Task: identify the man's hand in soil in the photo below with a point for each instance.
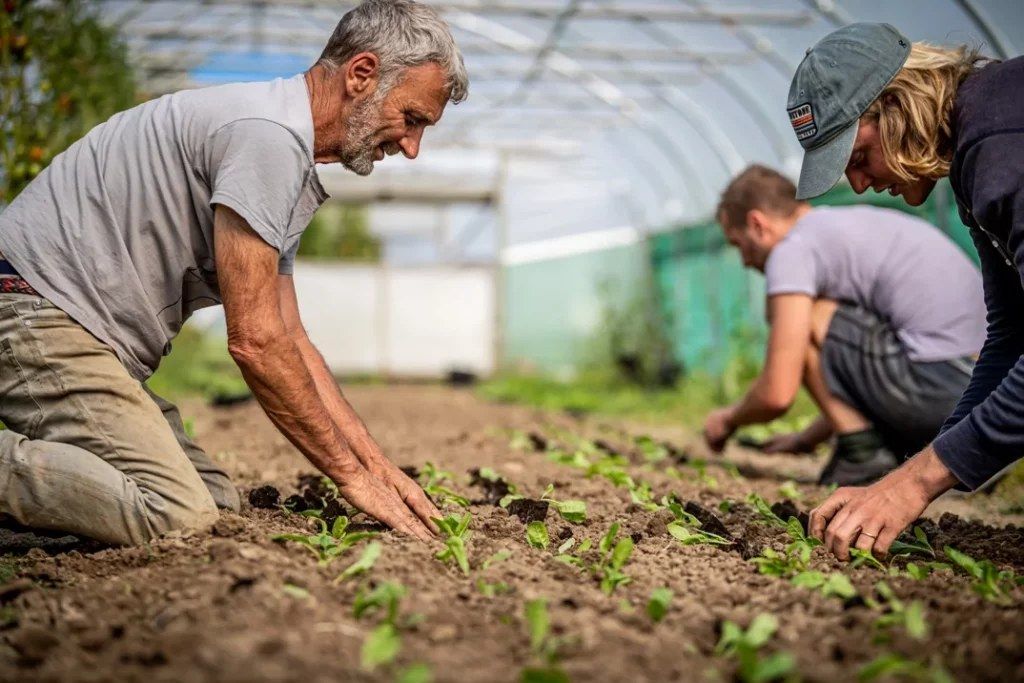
(871, 517)
(718, 428)
(407, 489)
(786, 443)
(380, 500)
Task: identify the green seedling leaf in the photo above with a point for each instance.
(538, 623)
(726, 506)
(652, 451)
(895, 666)
(537, 535)
(295, 591)
(549, 674)
(861, 557)
(789, 490)
(658, 604)
(608, 540)
(761, 629)
(838, 585)
(988, 580)
(688, 536)
(417, 673)
(381, 646)
(765, 510)
(497, 557)
(743, 645)
(611, 570)
(364, 564)
(574, 511)
(917, 544)
(489, 590)
(489, 474)
(385, 596)
(454, 528)
(809, 579)
(507, 499)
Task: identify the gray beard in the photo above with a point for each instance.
(358, 151)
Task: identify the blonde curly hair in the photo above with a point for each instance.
(914, 111)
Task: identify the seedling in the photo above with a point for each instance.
(417, 673)
(897, 613)
(612, 468)
(456, 532)
(743, 645)
(380, 647)
(658, 604)
(537, 535)
(566, 555)
(802, 545)
(385, 596)
(432, 479)
(652, 451)
(835, 584)
(861, 557)
(294, 591)
(364, 564)
(327, 545)
(489, 590)
(497, 557)
(921, 571)
(916, 545)
(615, 554)
(687, 529)
(641, 494)
(765, 510)
(577, 459)
(574, 511)
(989, 581)
(700, 468)
(893, 666)
(788, 490)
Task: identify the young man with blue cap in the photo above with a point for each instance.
(895, 116)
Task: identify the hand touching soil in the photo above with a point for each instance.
(384, 502)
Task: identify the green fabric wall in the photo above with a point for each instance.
(714, 307)
(552, 308)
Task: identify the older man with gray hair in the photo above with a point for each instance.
(191, 200)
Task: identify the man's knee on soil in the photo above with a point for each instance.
(188, 507)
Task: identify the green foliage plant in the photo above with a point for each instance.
(988, 581)
(896, 613)
(614, 556)
(543, 645)
(744, 646)
(574, 511)
(659, 602)
(455, 530)
(364, 564)
(328, 543)
(62, 71)
(537, 535)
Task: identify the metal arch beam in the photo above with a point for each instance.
(545, 10)
(602, 90)
(830, 11)
(993, 33)
(737, 92)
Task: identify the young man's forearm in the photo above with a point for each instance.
(276, 372)
(754, 408)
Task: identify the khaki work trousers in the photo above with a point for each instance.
(88, 449)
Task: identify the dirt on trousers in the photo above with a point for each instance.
(231, 604)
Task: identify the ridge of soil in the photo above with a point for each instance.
(230, 603)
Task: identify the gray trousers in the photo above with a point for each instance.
(88, 449)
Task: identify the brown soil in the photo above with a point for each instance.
(231, 604)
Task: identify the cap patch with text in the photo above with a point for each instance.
(802, 118)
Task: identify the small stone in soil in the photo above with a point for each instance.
(528, 510)
(265, 497)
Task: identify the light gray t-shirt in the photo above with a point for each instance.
(118, 230)
(897, 266)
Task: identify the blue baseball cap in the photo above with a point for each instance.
(834, 85)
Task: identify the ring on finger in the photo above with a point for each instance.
(864, 533)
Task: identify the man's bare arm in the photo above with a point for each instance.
(347, 420)
(773, 391)
(274, 369)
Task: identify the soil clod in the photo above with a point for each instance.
(709, 521)
(265, 497)
(529, 510)
(494, 489)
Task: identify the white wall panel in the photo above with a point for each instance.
(419, 322)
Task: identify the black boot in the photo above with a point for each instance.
(859, 458)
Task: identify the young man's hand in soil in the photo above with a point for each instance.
(718, 428)
(293, 385)
(871, 517)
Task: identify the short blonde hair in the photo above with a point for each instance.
(914, 111)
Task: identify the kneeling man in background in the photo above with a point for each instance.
(877, 313)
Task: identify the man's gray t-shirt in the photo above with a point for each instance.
(895, 265)
(118, 230)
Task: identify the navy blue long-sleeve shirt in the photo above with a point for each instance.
(985, 433)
